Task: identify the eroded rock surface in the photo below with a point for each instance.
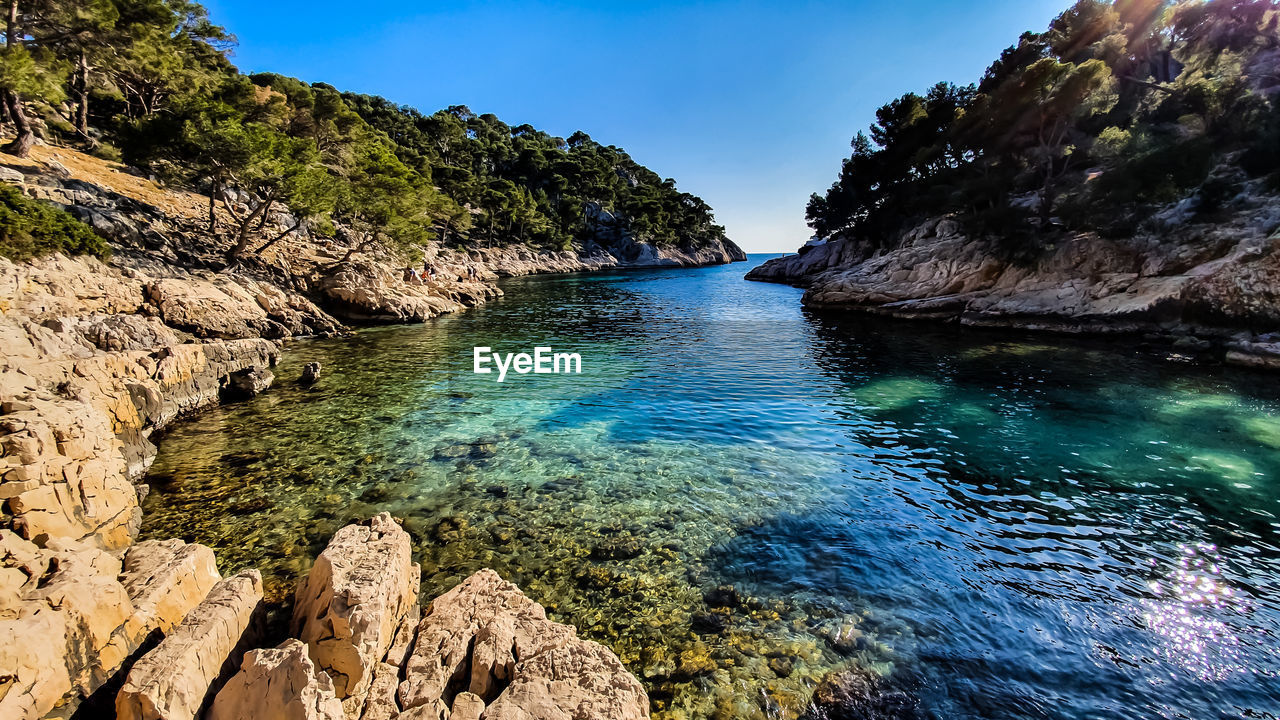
(484, 637)
(277, 684)
(1215, 282)
(358, 593)
(70, 614)
(177, 679)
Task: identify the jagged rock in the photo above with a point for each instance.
(358, 592)
(57, 168)
(486, 638)
(177, 679)
(310, 373)
(10, 175)
(467, 706)
(279, 684)
(165, 579)
(247, 383)
(62, 624)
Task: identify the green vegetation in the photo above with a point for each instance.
(30, 228)
(149, 82)
(1117, 109)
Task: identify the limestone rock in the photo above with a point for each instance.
(279, 684)
(486, 638)
(1203, 279)
(358, 592)
(165, 579)
(177, 679)
(244, 384)
(62, 618)
(310, 373)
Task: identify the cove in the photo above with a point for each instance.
(738, 496)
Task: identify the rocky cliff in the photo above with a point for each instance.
(1206, 289)
(97, 356)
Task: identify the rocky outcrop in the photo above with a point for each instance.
(165, 579)
(70, 614)
(367, 290)
(177, 679)
(358, 592)
(485, 642)
(1214, 283)
(280, 684)
(516, 261)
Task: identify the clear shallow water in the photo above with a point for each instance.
(1006, 528)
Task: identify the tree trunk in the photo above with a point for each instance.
(359, 247)
(262, 221)
(82, 95)
(214, 190)
(26, 137)
(21, 145)
(242, 236)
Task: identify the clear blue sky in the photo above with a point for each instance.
(749, 105)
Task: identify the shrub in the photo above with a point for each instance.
(30, 228)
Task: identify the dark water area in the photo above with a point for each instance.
(739, 496)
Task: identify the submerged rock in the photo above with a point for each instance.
(858, 694)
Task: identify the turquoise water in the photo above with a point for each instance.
(739, 496)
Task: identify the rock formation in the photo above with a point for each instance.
(177, 680)
(70, 613)
(279, 684)
(485, 642)
(358, 592)
(1204, 285)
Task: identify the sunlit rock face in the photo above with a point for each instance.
(511, 661)
(358, 593)
(1206, 289)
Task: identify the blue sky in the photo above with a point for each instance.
(749, 105)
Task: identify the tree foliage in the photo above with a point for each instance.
(1116, 108)
(153, 77)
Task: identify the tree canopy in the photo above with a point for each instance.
(150, 82)
(1115, 109)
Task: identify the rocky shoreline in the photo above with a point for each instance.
(1202, 291)
(99, 356)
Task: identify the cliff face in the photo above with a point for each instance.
(1208, 288)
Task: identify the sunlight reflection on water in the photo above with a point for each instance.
(1190, 598)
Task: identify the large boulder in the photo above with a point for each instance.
(358, 593)
(484, 637)
(177, 679)
(71, 614)
(278, 684)
(165, 579)
(247, 383)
